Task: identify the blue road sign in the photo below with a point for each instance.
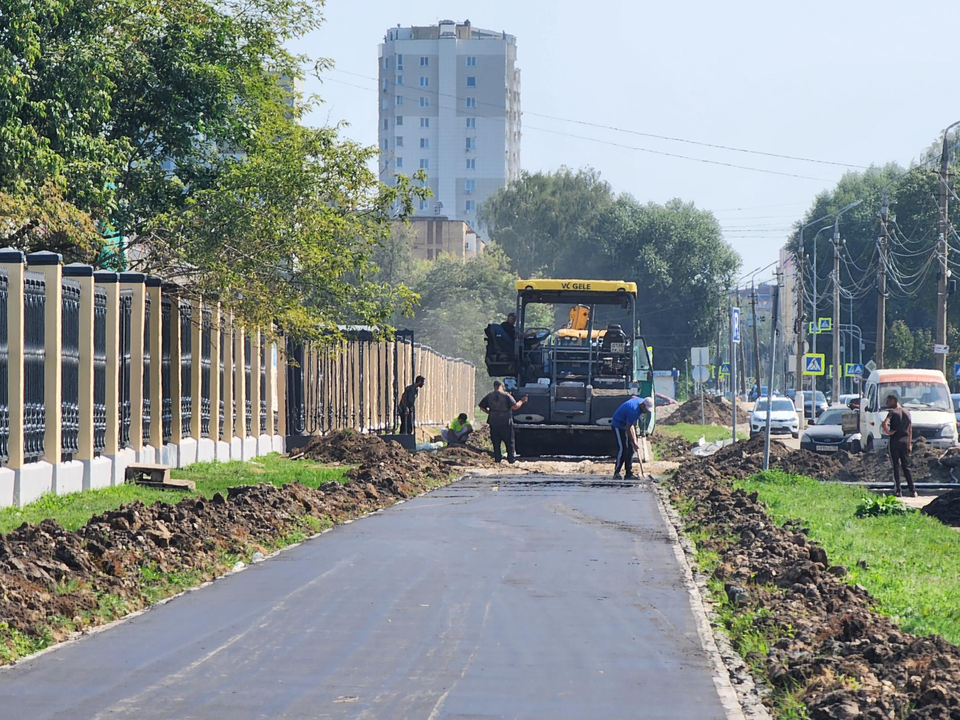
(854, 370)
(724, 369)
(814, 364)
(825, 324)
(735, 324)
(956, 370)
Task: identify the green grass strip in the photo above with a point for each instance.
(691, 433)
(912, 562)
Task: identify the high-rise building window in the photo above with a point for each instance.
(385, 121)
(424, 101)
(399, 162)
(471, 122)
(471, 61)
(399, 99)
(471, 102)
(399, 120)
(424, 204)
(384, 63)
(385, 84)
(471, 81)
(424, 61)
(471, 163)
(399, 62)
(424, 81)
(471, 143)
(424, 142)
(470, 205)
(424, 122)
(383, 144)
(399, 79)
(424, 164)
(399, 141)
(469, 185)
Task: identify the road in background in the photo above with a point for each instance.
(552, 597)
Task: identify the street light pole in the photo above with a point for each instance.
(944, 275)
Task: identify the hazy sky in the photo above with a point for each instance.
(848, 81)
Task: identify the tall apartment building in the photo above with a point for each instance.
(450, 105)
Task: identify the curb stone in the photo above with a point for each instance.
(742, 699)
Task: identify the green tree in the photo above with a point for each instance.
(899, 350)
(175, 126)
(545, 222)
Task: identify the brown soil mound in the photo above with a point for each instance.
(945, 508)
(53, 580)
(716, 411)
(670, 447)
(842, 659)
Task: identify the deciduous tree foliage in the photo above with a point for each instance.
(568, 224)
(174, 124)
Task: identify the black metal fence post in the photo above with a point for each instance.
(206, 327)
(186, 367)
(167, 327)
(34, 360)
(70, 369)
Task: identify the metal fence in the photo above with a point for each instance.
(69, 369)
(34, 357)
(87, 369)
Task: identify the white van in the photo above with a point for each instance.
(924, 393)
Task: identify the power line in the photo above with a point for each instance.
(614, 128)
(675, 155)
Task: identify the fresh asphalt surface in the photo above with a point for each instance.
(549, 597)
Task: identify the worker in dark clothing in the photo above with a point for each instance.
(407, 403)
(899, 426)
(510, 326)
(499, 406)
(624, 424)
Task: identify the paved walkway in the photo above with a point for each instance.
(549, 597)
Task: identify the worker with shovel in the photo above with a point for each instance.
(624, 424)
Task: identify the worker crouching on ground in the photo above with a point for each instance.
(624, 424)
(408, 402)
(458, 431)
(499, 406)
(899, 426)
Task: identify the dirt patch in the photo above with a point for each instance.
(670, 447)
(716, 411)
(826, 644)
(54, 581)
(945, 508)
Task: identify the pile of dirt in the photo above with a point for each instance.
(54, 581)
(945, 508)
(670, 447)
(925, 462)
(716, 411)
(826, 644)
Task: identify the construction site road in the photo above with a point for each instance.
(552, 597)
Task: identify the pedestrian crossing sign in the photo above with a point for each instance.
(956, 371)
(812, 328)
(853, 370)
(724, 369)
(814, 364)
(825, 324)
(830, 372)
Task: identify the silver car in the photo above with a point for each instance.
(783, 416)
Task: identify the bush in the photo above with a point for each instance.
(879, 505)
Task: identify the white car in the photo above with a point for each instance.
(783, 417)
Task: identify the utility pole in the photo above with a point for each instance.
(719, 344)
(800, 325)
(835, 386)
(882, 283)
(742, 359)
(756, 342)
(943, 277)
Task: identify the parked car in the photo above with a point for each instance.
(754, 394)
(814, 404)
(783, 416)
(846, 398)
(923, 392)
(955, 399)
(662, 400)
(827, 435)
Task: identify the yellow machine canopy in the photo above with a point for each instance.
(578, 285)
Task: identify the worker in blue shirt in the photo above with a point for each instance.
(624, 424)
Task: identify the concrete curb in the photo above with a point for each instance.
(739, 695)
